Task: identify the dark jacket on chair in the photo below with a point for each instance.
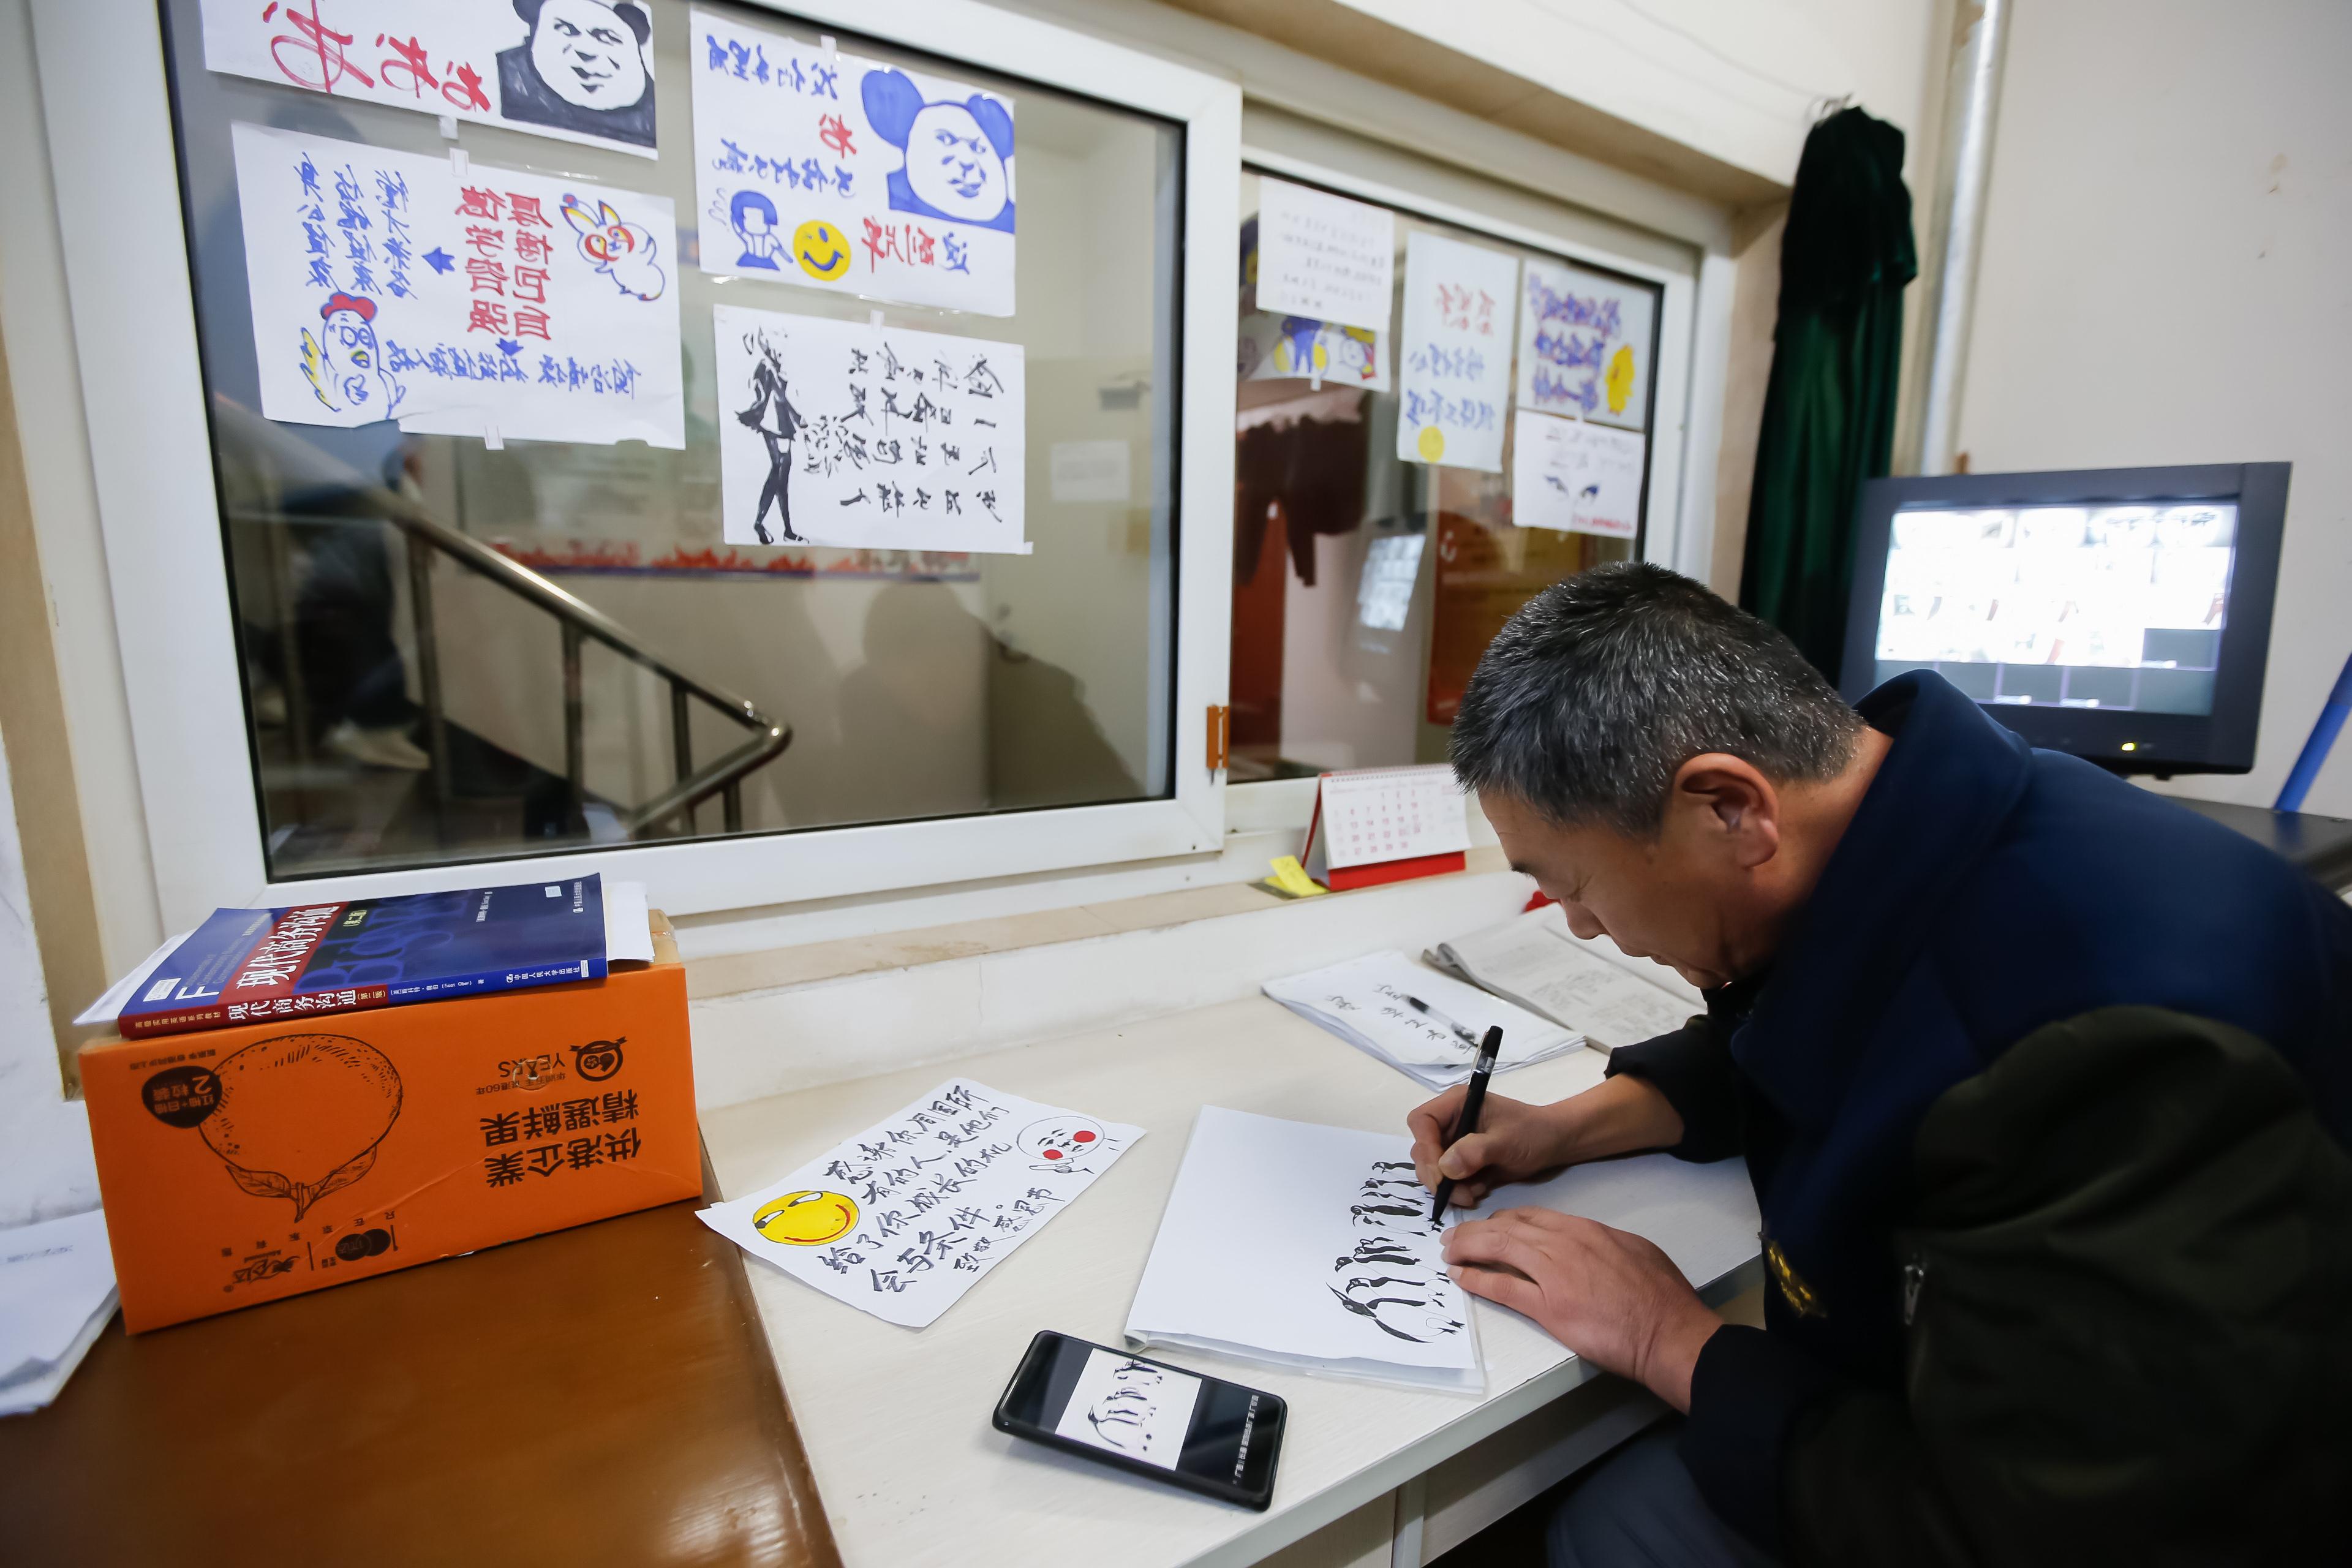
(2046, 1099)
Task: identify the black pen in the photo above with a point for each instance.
(1471, 1103)
(1418, 1005)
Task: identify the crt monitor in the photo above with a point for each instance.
(2121, 614)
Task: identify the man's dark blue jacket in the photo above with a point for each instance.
(2046, 1099)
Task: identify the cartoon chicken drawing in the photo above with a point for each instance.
(302, 1116)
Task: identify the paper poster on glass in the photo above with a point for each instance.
(834, 171)
(1576, 476)
(1455, 361)
(1324, 257)
(386, 286)
(876, 437)
(1272, 346)
(579, 70)
(1584, 345)
(1287, 348)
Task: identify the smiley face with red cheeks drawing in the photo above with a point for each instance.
(1061, 1143)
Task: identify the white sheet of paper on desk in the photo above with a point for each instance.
(1365, 1002)
(57, 1293)
(1304, 1246)
(1701, 1215)
(902, 1219)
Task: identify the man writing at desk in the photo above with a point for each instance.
(2044, 1085)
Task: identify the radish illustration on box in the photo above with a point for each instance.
(302, 1116)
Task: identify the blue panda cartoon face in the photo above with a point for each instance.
(959, 156)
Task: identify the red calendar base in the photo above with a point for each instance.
(1382, 871)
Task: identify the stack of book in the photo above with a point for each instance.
(249, 966)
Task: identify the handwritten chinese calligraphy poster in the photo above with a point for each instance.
(1576, 476)
(1456, 363)
(837, 173)
(1324, 257)
(579, 70)
(874, 438)
(384, 285)
(902, 1219)
(1584, 345)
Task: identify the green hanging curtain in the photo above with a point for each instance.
(1829, 413)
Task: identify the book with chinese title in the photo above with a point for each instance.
(246, 966)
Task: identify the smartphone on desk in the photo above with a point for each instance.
(1156, 1420)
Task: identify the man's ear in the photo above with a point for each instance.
(1725, 799)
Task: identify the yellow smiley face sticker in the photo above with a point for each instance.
(821, 250)
(1430, 444)
(805, 1219)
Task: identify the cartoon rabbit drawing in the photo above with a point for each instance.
(622, 250)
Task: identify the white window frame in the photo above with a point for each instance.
(110, 140)
(1681, 420)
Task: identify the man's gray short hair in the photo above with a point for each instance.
(1604, 685)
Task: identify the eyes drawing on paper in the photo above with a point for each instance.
(1393, 1272)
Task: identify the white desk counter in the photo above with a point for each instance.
(896, 1422)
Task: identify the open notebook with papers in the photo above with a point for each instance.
(1306, 1247)
(1425, 1023)
(1589, 986)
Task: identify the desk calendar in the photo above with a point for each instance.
(1383, 825)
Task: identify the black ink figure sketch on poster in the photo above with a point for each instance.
(583, 68)
(772, 413)
(1393, 1273)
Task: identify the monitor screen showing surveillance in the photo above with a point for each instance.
(2064, 607)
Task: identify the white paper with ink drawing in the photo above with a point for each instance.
(578, 70)
(1367, 1002)
(1306, 1246)
(841, 433)
(839, 172)
(903, 1218)
(385, 286)
(1575, 476)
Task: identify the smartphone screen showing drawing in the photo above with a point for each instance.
(1132, 1408)
(1199, 1433)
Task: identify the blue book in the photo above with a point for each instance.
(252, 967)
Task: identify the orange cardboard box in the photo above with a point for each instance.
(246, 1164)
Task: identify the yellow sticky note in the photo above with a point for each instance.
(1292, 879)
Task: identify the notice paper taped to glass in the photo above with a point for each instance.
(1306, 1247)
(825, 170)
(903, 1218)
(868, 438)
(387, 285)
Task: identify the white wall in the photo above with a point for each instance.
(1739, 80)
(2167, 278)
(45, 1160)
